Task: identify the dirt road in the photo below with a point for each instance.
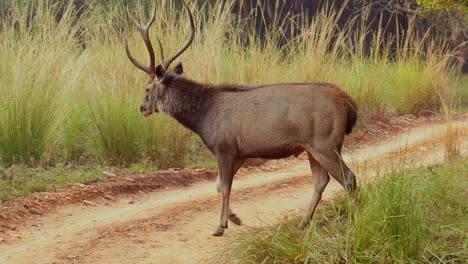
(175, 225)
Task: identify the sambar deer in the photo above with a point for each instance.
(238, 122)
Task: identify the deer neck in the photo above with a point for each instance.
(187, 102)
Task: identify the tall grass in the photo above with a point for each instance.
(416, 216)
(40, 65)
(69, 93)
(391, 224)
(67, 102)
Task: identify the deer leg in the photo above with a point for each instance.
(232, 216)
(226, 169)
(332, 162)
(321, 181)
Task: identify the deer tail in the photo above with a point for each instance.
(351, 109)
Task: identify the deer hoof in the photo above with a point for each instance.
(218, 232)
(236, 220)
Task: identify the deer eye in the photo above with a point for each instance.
(147, 90)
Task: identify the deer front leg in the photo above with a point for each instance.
(232, 216)
(226, 173)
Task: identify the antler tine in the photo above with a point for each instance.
(135, 62)
(187, 44)
(161, 52)
(144, 32)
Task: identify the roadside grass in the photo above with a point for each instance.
(34, 78)
(404, 216)
(19, 181)
(76, 102)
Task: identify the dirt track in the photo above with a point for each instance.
(175, 225)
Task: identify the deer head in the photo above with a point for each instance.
(159, 77)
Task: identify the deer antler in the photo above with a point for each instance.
(166, 64)
(161, 53)
(149, 69)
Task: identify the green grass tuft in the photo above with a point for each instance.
(417, 216)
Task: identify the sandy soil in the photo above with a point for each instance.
(174, 223)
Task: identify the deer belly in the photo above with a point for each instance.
(271, 152)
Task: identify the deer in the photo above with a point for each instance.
(237, 122)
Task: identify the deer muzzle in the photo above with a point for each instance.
(144, 110)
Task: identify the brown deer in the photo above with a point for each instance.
(238, 122)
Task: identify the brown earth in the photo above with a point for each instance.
(169, 216)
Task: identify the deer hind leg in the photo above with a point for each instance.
(331, 160)
(232, 216)
(321, 181)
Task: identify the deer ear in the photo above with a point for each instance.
(160, 72)
(178, 68)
